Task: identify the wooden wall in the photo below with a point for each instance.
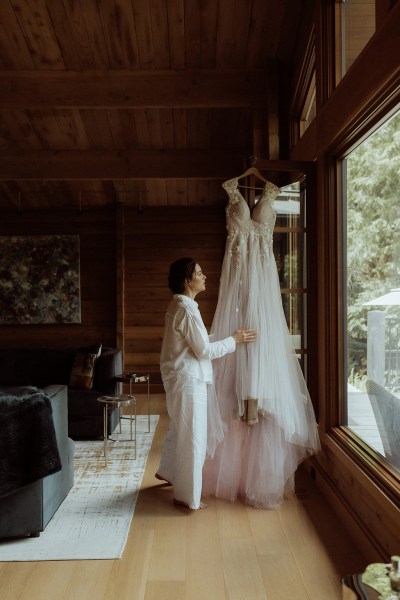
(96, 230)
(129, 293)
(153, 239)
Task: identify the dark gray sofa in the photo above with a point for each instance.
(27, 510)
(47, 366)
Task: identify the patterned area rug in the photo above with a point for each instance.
(94, 519)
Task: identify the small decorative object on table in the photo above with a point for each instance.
(379, 581)
(394, 575)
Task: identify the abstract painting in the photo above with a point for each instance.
(39, 279)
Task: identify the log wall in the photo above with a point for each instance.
(135, 281)
(96, 230)
(153, 239)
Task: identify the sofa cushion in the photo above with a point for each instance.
(84, 404)
(29, 449)
(82, 371)
(40, 367)
(86, 418)
(108, 365)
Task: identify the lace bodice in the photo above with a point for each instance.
(242, 223)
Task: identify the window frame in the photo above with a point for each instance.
(371, 462)
(307, 168)
(341, 69)
(307, 75)
(309, 100)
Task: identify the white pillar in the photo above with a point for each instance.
(376, 346)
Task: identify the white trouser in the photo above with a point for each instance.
(185, 442)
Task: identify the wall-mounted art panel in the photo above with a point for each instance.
(39, 279)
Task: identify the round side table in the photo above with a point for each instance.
(120, 401)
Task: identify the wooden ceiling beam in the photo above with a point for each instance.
(44, 165)
(133, 89)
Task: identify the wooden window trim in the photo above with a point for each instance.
(376, 111)
(326, 56)
(302, 91)
(369, 461)
(338, 42)
(308, 102)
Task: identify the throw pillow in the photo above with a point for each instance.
(82, 372)
(96, 350)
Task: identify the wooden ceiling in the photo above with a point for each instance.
(151, 102)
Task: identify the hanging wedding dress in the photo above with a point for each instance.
(259, 389)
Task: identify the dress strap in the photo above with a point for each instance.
(230, 186)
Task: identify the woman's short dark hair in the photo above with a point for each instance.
(180, 269)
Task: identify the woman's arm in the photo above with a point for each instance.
(196, 336)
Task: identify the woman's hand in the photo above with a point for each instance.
(244, 336)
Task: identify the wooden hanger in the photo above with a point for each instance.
(256, 173)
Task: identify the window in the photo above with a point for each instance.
(355, 25)
(304, 105)
(371, 184)
(290, 255)
(309, 108)
(295, 264)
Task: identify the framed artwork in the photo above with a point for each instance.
(39, 279)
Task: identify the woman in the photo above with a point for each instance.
(185, 362)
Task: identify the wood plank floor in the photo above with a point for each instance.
(226, 552)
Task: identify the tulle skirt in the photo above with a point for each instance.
(256, 462)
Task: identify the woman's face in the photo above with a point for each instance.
(198, 281)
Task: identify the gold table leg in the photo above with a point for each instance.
(105, 433)
(148, 403)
